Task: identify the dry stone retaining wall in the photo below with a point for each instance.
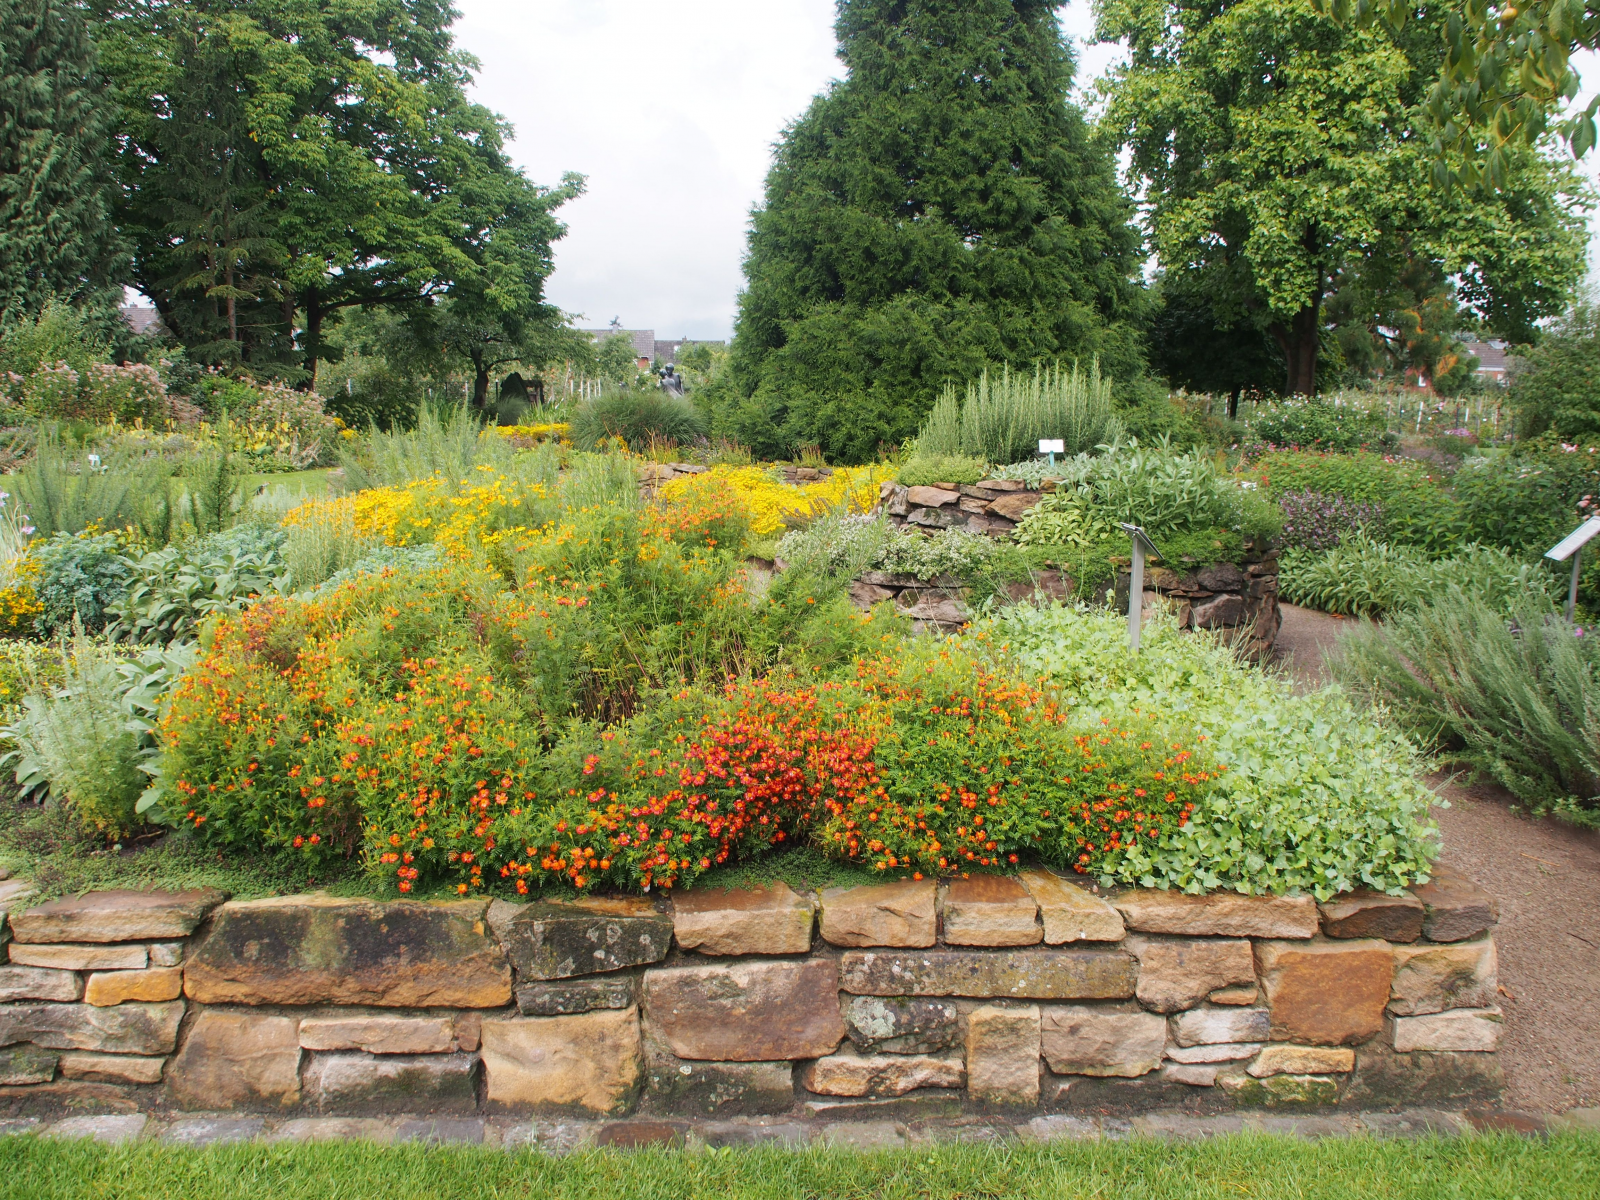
(1025, 993)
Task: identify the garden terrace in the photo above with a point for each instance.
(1028, 994)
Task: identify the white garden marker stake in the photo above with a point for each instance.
(1052, 447)
(1142, 545)
(1571, 547)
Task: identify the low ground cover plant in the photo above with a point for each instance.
(1362, 576)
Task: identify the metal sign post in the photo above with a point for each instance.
(1142, 545)
(1052, 447)
(1571, 547)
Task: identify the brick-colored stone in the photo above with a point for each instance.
(117, 916)
(748, 1011)
(1430, 979)
(1214, 1052)
(1018, 974)
(1221, 914)
(1455, 909)
(1367, 914)
(24, 1065)
(1282, 1058)
(125, 1029)
(990, 910)
(1078, 1040)
(586, 937)
(931, 497)
(237, 1059)
(106, 988)
(901, 1024)
(412, 1083)
(768, 920)
(377, 1034)
(889, 914)
(1070, 913)
(1325, 993)
(1003, 1055)
(1218, 1026)
(38, 983)
(1244, 993)
(1013, 505)
(849, 1073)
(1475, 1029)
(324, 950)
(469, 1030)
(1175, 975)
(111, 1068)
(81, 958)
(591, 1061)
(563, 997)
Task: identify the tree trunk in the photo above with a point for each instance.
(314, 316)
(1299, 340)
(480, 385)
(1233, 403)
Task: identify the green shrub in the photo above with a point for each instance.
(934, 468)
(1515, 695)
(1529, 500)
(1165, 492)
(638, 416)
(1066, 518)
(1414, 506)
(69, 493)
(1319, 425)
(1364, 577)
(169, 592)
(80, 577)
(1557, 388)
(1003, 419)
(448, 444)
(1314, 796)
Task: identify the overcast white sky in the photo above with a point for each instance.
(670, 107)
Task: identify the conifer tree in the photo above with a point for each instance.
(942, 208)
(55, 235)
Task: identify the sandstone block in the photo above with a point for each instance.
(1095, 1041)
(990, 910)
(932, 497)
(1281, 1091)
(323, 950)
(1459, 1029)
(591, 1061)
(1455, 909)
(1367, 914)
(1220, 577)
(1220, 612)
(1002, 485)
(585, 937)
(119, 916)
(1446, 1079)
(1214, 1053)
(1003, 1055)
(770, 920)
(865, 595)
(890, 914)
(23, 1065)
(1221, 914)
(80, 958)
(564, 997)
(412, 1083)
(1244, 993)
(125, 1029)
(237, 1059)
(1018, 974)
(901, 1024)
(1193, 1075)
(166, 954)
(715, 1089)
(848, 1073)
(1179, 974)
(379, 1034)
(106, 988)
(107, 1130)
(111, 1068)
(1012, 505)
(38, 983)
(1326, 993)
(469, 1030)
(1281, 1058)
(1430, 979)
(746, 1012)
(1203, 1026)
(1071, 913)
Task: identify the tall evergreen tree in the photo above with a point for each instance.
(55, 235)
(942, 208)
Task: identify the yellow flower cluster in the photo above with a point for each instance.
(554, 431)
(770, 499)
(18, 602)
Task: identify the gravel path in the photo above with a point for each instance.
(1546, 878)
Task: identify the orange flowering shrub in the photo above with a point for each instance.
(714, 513)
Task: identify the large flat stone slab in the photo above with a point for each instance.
(1470, 1029)
(1003, 1055)
(237, 1059)
(563, 997)
(125, 1029)
(379, 1034)
(1221, 1026)
(1455, 909)
(1070, 913)
(849, 1073)
(1325, 993)
(38, 983)
(1221, 914)
(746, 1012)
(106, 988)
(1018, 974)
(1078, 1040)
(111, 1068)
(1368, 914)
(411, 1083)
(118, 916)
(1175, 975)
(889, 914)
(590, 1061)
(1430, 979)
(585, 937)
(902, 1024)
(25, 1065)
(76, 957)
(679, 1085)
(323, 950)
(769, 920)
(990, 910)
(1281, 1058)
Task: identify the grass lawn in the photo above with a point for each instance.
(1499, 1167)
(304, 483)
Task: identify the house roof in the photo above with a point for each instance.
(141, 320)
(1491, 357)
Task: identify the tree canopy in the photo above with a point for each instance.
(1281, 163)
(941, 208)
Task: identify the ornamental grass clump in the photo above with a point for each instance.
(1002, 418)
